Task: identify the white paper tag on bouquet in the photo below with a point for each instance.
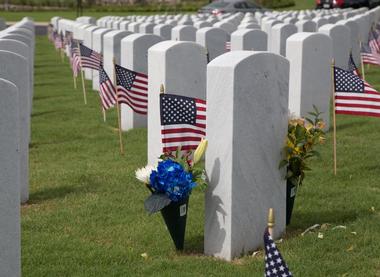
(182, 210)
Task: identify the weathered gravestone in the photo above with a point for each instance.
(10, 242)
(187, 78)
(112, 50)
(87, 41)
(242, 162)
(98, 46)
(249, 39)
(214, 40)
(184, 33)
(310, 56)
(279, 35)
(14, 68)
(134, 56)
(163, 30)
(341, 38)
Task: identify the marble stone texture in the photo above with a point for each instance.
(306, 26)
(87, 41)
(355, 39)
(183, 33)
(134, 56)
(310, 56)
(214, 40)
(341, 38)
(249, 39)
(10, 242)
(163, 30)
(279, 35)
(15, 69)
(111, 51)
(98, 46)
(187, 78)
(242, 162)
(146, 28)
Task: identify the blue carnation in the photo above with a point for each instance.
(171, 178)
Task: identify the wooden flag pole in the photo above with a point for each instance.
(118, 109)
(270, 222)
(361, 62)
(82, 75)
(334, 113)
(75, 81)
(62, 55)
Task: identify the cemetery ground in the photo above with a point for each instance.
(85, 216)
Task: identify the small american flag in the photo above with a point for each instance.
(74, 57)
(372, 42)
(107, 90)
(89, 58)
(132, 89)
(352, 66)
(369, 57)
(58, 41)
(275, 265)
(354, 96)
(183, 122)
(228, 46)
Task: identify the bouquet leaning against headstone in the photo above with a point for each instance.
(170, 184)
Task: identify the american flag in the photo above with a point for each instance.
(372, 42)
(275, 266)
(58, 41)
(183, 122)
(369, 57)
(132, 89)
(74, 57)
(107, 90)
(352, 66)
(228, 46)
(89, 58)
(354, 96)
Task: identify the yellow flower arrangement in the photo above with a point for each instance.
(303, 135)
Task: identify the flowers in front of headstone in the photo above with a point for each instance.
(303, 135)
(174, 178)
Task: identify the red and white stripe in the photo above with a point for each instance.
(366, 104)
(137, 96)
(185, 135)
(107, 94)
(228, 46)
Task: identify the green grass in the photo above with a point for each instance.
(85, 216)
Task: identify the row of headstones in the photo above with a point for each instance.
(16, 88)
(246, 91)
(130, 49)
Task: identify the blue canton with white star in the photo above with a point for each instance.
(125, 77)
(346, 81)
(275, 265)
(177, 109)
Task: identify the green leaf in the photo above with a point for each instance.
(283, 163)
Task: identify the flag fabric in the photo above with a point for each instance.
(89, 58)
(369, 57)
(372, 42)
(354, 96)
(352, 66)
(275, 266)
(107, 91)
(183, 122)
(228, 46)
(132, 89)
(75, 58)
(58, 41)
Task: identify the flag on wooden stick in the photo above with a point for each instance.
(354, 96)
(107, 91)
(368, 56)
(183, 122)
(132, 89)
(90, 58)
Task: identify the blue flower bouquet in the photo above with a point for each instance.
(170, 185)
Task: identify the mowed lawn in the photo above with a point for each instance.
(86, 217)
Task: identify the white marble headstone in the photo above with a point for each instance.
(214, 40)
(249, 39)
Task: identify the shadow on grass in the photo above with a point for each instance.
(43, 113)
(302, 220)
(194, 245)
(59, 192)
(344, 126)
